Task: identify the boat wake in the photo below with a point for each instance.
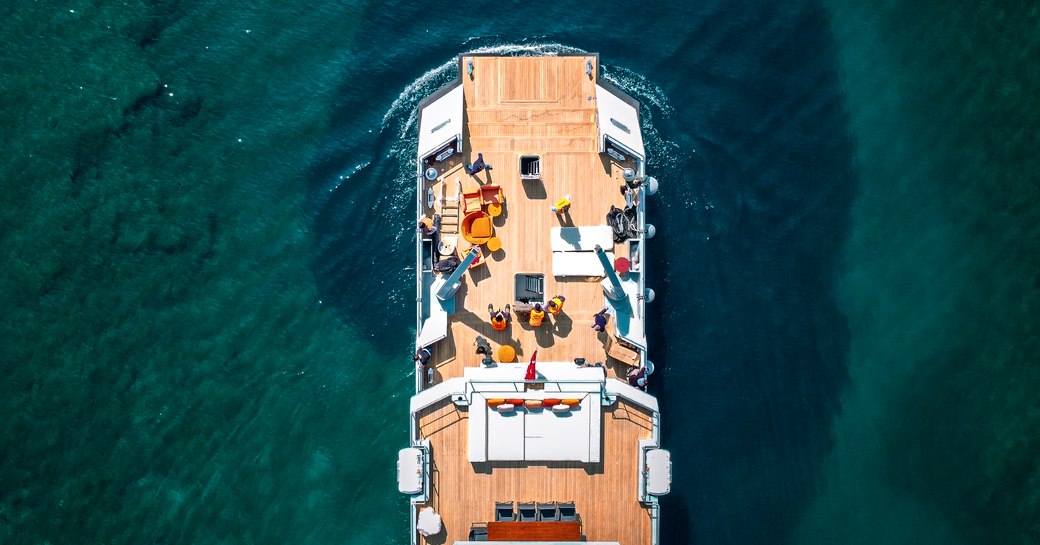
(402, 116)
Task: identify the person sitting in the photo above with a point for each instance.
(499, 318)
(637, 378)
(483, 346)
(422, 361)
(477, 165)
(556, 304)
(427, 228)
(600, 320)
(537, 315)
(422, 357)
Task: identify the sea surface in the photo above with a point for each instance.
(207, 262)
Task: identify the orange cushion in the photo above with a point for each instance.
(495, 402)
(572, 402)
(549, 402)
(533, 403)
(481, 227)
(515, 401)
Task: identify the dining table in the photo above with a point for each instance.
(534, 531)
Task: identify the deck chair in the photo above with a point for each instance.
(527, 512)
(619, 350)
(548, 512)
(567, 512)
(504, 512)
(471, 202)
(492, 194)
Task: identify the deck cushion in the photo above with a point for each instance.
(481, 227)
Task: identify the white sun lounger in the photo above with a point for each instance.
(578, 263)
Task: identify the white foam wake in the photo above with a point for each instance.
(404, 109)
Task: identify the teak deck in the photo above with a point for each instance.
(604, 493)
(542, 106)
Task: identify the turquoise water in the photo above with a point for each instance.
(207, 260)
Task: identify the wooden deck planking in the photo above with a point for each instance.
(558, 124)
(525, 129)
(502, 82)
(516, 114)
(562, 130)
(604, 494)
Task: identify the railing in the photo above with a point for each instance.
(420, 377)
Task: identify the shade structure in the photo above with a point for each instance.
(429, 522)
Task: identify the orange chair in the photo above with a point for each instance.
(472, 202)
(477, 228)
(492, 194)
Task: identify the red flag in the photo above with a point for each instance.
(531, 375)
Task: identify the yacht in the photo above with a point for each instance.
(532, 418)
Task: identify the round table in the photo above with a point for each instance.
(494, 244)
(494, 210)
(506, 353)
(622, 265)
(446, 246)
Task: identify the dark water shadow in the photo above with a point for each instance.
(751, 338)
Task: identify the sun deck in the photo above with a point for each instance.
(530, 106)
(595, 454)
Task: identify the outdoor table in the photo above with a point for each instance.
(534, 531)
